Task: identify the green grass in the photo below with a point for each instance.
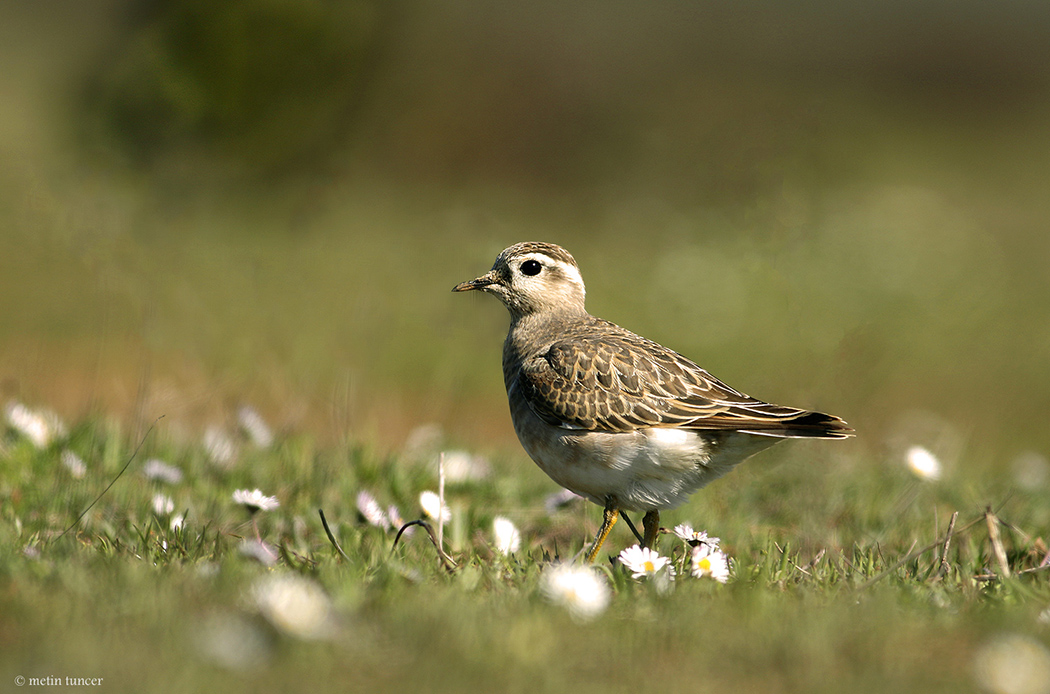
(824, 594)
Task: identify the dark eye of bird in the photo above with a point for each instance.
(531, 267)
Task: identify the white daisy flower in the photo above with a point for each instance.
(294, 605)
(397, 521)
(581, 590)
(461, 466)
(219, 447)
(177, 522)
(259, 551)
(41, 427)
(74, 463)
(1012, 664)
(559, 500)
(642, 561)
(233, 642)
(162, 504)
(252, 423)
(423, 441)
(1031, 470)
(710, 561)
(1044, 617)
(371, 510)
(508, 539)
(255, 500)
(160, 471)
(432, 507)
(923, 463)
(686, 532)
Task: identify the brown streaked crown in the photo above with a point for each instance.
(551, 250)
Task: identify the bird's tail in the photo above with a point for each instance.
(816, 425)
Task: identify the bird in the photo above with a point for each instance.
(614, 417)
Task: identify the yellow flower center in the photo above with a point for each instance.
(704, 564)
(649, 568)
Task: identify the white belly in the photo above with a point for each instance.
(644, 470)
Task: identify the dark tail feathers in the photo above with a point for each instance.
(815, 425)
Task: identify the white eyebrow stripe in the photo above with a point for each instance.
(572, 273)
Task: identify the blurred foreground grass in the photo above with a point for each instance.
(819, 599)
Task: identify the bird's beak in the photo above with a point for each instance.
(479, 283)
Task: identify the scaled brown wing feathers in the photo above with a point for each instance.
(617, 381)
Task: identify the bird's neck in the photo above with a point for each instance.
(534, 333)
(540, 324)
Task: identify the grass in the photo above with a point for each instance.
(828, 591)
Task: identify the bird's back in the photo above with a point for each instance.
(583, 372)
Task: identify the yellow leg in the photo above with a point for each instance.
(650, 529)
(608, 521)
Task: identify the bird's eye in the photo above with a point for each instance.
(531, 267)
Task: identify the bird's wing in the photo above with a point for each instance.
(618, 381)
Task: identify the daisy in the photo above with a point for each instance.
(1031, 470)
(1012, 664)
(644, 561)
(694, 537)
(252, 423)
(424, 440)
(580, 590)
(1044, 617)
(162, 504)
(368, 507)
(74, 463)
(508, 539)
(255, 500)
(923, 463)
(233, 642)
(160, 471)
(397, 521)
(259, 551)
(461, 466)
(39, 426)
(710, 561)
(559, 500)
(294, 605)
(220, 447)
(433, 507)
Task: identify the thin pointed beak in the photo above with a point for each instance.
(479, 283)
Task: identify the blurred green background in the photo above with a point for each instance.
(204, 205)
(832, 205)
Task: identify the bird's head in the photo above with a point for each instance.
(532, 277)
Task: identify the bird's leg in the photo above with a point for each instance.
(651, 528)
(608, 521)
(627, 520)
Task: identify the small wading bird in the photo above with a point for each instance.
(610, 415)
